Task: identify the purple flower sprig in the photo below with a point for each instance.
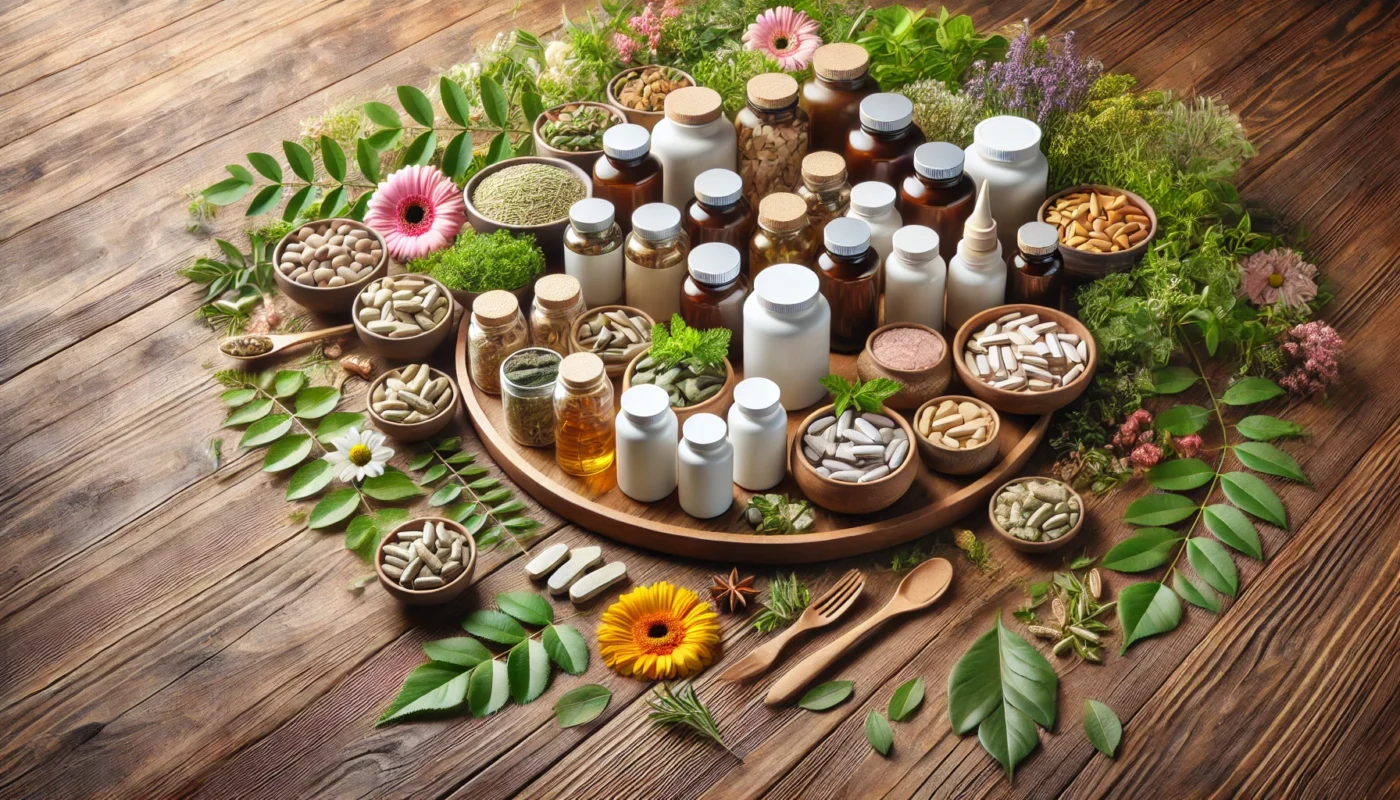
(1040, 78)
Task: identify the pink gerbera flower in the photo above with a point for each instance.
(785, 35)
(417, 210)
(1278, 276)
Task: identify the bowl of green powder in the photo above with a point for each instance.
(530, 194)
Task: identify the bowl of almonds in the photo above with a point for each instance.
(957, 435)
(1102, 229)
(322, 265)
(426, 561)
(640, 92)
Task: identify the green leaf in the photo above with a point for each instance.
(488, 689)
(1232, 527)
(484, 484)
(383, 115)
(266, 166)
(446, 494)
(1181, 474)
(457, 156)
(461, 458)
(333, 157)
(316, 401)
(1213, 564)
(566, 647)
(1254, 497)
(367, 160)
(300, 202)
(1248, 391)
(907, 699)
(417, 104)
(531, 105)
(333, 426)
(288, 382)
(1263, 428)
(495, 496)
(526, 606)
(474, 524)
(878, 733)
(493, 101)
(265, 200)
(1008, 735)
(1265, 458)
(499, 149)
(463, 651)
(1173, 380)
(420, 461)
(300, 160)
(1182, 420)
(421, 150)
(528, 670)
(310, 479)
(581, 705)
(459, 511)
(266, 431)
(1102, 727)
(334, 507)
(226, 191)
(250, 412)
(387, 139)
(1000, 669)
(494, 626)
(827, 695)
(430, 689)
(333, 202)
(1195, 595)
(1159, 509)
(1147, 609)
(454, 101)
(234, 398)
(521, 524)
(362, 537)
(391, 487)
(287, 453)
(1148, 549)
(437, 471)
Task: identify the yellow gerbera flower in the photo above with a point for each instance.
(658, 631)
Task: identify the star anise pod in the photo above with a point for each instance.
(732, 590)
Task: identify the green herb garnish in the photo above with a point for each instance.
(480, 262)
(862, 395)
(787, 599)
(779, 514)
(683, 344)
(685, 709)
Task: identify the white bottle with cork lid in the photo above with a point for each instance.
(977, 276)
(705, 467)
(873, 202)
(758, 432)
(787, 333)
(694, 137)
(1005, 154)
(646, 444)
(915, 278)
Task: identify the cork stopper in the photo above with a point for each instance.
(495, 307)
(772, 91)
(823, 170)
(840, 62)
(581, 370)
(693, 105)
(781, 212)
(557, 291)
(980, 230)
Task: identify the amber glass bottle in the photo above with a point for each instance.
(783, 235)
(831, 97)
(627, 174)
(849, 270)
(824, 188)
(881, 148)
(584, 441)
(1038, 269)
(719, 212)
(938, 194)
(714, 293)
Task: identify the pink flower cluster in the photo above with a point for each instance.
(1188, 446)
(1134, 440)
(1314, 353)
(649, 24)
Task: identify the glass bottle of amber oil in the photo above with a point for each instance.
(714, 293)
(627, 174)
(656, 251)
(938, 194)
(1037, 270)
(773, 134)
(583, 416)
(831, 97)
(719, 212)
(824, 188)
(849, 269)
(882, 147)
(783, 235)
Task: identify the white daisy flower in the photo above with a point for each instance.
(359, 455)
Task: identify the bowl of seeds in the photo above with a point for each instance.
(573, 132)
(640, 92)
(1102, 229)
(529, 194)
(1036, 515)
(616, 333)
(1025, 359)
(957, 434)
(426, 561)
(322, 265)
(403, 317)
(855, 463)
(412, 403)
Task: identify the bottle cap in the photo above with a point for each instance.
(846, 236)
(645, 402)
(823, 169)
(772, 91)
(915, 243)
(557, 291)
(714, 263)
(1037, 238)
(591, 215)
(840, 62)
(980, 230)
(719, 187)
(787, 288)
(693, 105)
(1006, 139)
(872, 198)
(938, 161)
(886, 112)
(703, 430)
(626, 141)
(756, 396)
(782, 211)
(581, 370)
(656, 221)
(495, 306)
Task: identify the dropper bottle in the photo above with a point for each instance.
(977, 274)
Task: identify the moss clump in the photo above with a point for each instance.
(481, 262)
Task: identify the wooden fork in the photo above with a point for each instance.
(827, 609)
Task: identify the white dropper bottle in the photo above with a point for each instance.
(977, 275)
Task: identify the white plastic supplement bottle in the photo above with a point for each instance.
(977, 276)
(593, 251)
(695, 136)
(915, 277)
(705, 467)
(758, 432)
(873, 202)
(1005, 154)
(787, 333)
(646, 444)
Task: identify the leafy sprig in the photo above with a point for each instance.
(234, 285)
(683, 708)
(780, 515)
(907, 46)
(861, 395)
(487, 509)
(691, 346)
(788, 597)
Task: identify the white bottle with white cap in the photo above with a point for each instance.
(915, 276)
(1005, 154)
(593, 251)
(758, 432)
(873, 202)
(977, 276)
(705, 467)
(646, 444)
(787, 333)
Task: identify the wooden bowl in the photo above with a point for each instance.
(850, 498)
(647, 119)
(1035, 547)
(617, 369)
(1083, 265)
(919, 385)
(548, 235)
(583, 159)
(426, 597)
(960, 462)
(328, 299)
(409, 348)
(717, 404)
(1024, 402)
(413, 431)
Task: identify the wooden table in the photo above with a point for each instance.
(168, 630)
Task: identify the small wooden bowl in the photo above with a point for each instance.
(617, 369)
(1025, 402)
(426, 597)
(1085, 265)
(410, 348)
(1035, 547)
(647, 119)
(717, 404)
(919, 385)
(583, 159)
(960, 462)
(328, 299)
(548, 235)
(413, 431)
(851, 498)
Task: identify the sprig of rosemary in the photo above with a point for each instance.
(685, 709)
(862, 395)
(787, 599)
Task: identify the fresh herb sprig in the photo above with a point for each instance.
(234, 284)
(861, 395)
(788, 597)
(1075, 609)
(691, 346)
(683, 708)
(910, 46)
(469, 495)
(779, 514)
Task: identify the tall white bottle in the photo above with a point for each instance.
(705, 467)
(915, 278)
(977, 276)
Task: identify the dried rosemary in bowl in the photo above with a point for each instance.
(527, 194)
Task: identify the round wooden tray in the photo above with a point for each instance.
(595, 503)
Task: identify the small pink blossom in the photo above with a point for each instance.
(1278, 276)
(1146, 455)
(625, 46)
(785, 35)
(1143, 417)
(648, 24)
(1188, 446)
(1314, 354)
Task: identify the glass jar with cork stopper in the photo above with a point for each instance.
(938, 194)
(881, 148)
(558, 302)
(824, 188)
(783, 235)
(773, 134)
(627, 174)
(714, 293)
(849, 269)
(584, 442)
(1037, 269)
(593, 251)
(497, 329)
(719, 212)
(656, 252)
(831, 97)
(693, 137)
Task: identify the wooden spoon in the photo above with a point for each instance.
(919, 589)
(281, 341)
(827, 609)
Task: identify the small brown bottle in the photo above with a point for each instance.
(783, 235)
(627, 174)
(719, 212)
(1037, 270)
(881, 148)
(849, 269)
(713, 294)
(831, 97)
(938, 194)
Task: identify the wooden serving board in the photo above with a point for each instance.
(932, 502)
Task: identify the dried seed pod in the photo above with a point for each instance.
(1095, 584)
(1057, 609)
(1043, 631)
(1084, 633)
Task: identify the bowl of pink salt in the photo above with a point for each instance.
(915, 355)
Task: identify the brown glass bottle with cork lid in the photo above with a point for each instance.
(773, 133)
(938, 194)
(831, 97)
(881, 148)
(627, 174)
(719, 212)
(849, 269)
(824, 188)
(783, 235)
(714, 293)
(1037, 270)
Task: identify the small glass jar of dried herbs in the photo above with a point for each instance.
(527, 395)
(497, 329)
